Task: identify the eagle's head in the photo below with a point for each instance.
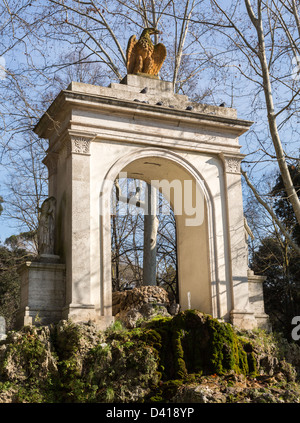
(150, 31)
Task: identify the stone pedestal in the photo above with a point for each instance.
(256, 299)
(243, 319)
(42, 293)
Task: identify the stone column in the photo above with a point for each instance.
(241, 314)
(150, 236)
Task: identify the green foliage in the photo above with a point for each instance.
(115, 327)
(10, 260)
(226, 352)
(31, 381)
(283, 207)
(66, 339)
(17, 241)
(279, 262)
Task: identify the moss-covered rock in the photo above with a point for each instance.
(28, 366)
(121, 370)
(193, 342)
(188, 357)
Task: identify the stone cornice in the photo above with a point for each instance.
(67, 100)
(235, 126)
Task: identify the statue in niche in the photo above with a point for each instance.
(46, 230)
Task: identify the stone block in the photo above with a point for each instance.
(42, 292)
(243, 319)
(153, 84)
(256, 299)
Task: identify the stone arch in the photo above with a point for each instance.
(135, 166)
(95, 127)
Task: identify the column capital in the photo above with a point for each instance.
(80, 144)
(73, 143)
(232, 163)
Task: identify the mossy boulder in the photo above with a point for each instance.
(194, 342)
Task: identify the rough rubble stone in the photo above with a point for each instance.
(134, 306)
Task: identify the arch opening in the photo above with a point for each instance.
(188, 197)
(143, 237)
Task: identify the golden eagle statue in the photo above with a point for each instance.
(143, 56)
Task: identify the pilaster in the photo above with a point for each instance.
(241, 314)
(78, 227)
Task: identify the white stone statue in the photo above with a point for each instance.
(46, 230)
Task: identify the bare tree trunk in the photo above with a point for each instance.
(286, 177)
(183, 34)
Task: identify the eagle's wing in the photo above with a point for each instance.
(130, 56)
(158, 56)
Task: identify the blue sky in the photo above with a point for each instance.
(248, 105)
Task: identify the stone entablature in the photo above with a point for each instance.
(201, 129)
